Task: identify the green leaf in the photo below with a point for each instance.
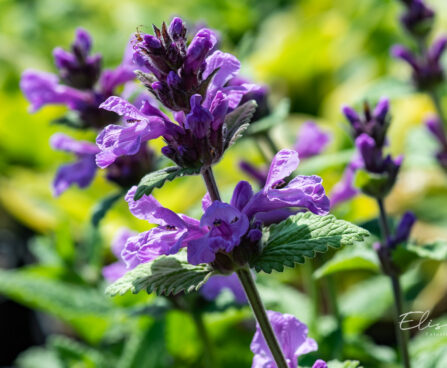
(71, 119)
(302, 235)
(350, 258)
(101, 209)
(237, 121)
(436, 251)
(345, 364)
(388, 86)
(37, 357)
(278, 116)
(87, 310)
(166, 275)
(318, 163)
(157, 179)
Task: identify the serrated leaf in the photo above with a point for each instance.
(237, 121)
(166, 275)
(157, 179)
(101, 208)
(345, 364)
(278, 116)
(350, 258)
(303, 235)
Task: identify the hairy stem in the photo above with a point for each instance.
(258, 309)
(388, 266)
(210, 182)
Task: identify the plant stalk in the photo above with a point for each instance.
(206, 341)
(210, 182)
(258, 309)
(390, 270)
(438, 106)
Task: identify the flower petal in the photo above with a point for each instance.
(283, 164)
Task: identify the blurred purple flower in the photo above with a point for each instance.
(292, 337)
(403, 230)
(436, 128)
(82, 171)
(216, 284)
(114, 271)
(345, 190)
(418, 18)
(311, 140)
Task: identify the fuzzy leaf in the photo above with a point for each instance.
(302, 235)
(157, 179)
(351, 258)
(166, 275)
(237, 121)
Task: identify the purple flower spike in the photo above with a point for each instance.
(418, 18)
(301, 192)
(82, 42)
(311, 140)
(42, 88)
(82, 171)
(116, 270)
(217, 284)
(226, 224)
(116, 140)
(435, 127)
(292, 337)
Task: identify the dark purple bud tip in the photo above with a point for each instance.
(435, 127)
(350, 114)
(404, 228)
(401, 52)
(438, 48)
(173, 79)
(83, 41)
(177, 29)
(381, 109)
(153, 43)
(254, 235)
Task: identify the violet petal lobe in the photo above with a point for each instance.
(80, 172)
(311, 140)
(216, 284)
(283, 164)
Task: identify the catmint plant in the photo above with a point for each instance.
(376, 174)
(82, 85)
(428, 73)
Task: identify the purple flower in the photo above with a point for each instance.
(292, 337)
(79, 84)
(428, 72)
(80, 172)
(123, 140)
(345, 190)
(418, 18)
(226, 226)
(114, 271)
(320, 364)
(174, 231)
(303, 192)
(216, 284)
(311, 140)
(403, 230)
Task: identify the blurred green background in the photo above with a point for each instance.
(318, 54)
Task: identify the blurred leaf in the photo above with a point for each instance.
(436, 251)
(101, 209)
(237, 121)
(350, 258)
(38, 357)
(72, 352)
(389, 87)
(166, 275)
(277, 117)
(86, 309)
(303, 235)
(157, 179)
(70, 119)
(345, 364)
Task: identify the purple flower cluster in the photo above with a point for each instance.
(193, 82)
(369, 132)
(427, 69)
(82, 86)
(292, 337)
(227, 232)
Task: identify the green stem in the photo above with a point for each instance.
(258, 309)
(390, 270)
(206, 341)
(272, 145)
(338, 348)
(438, 106)
(310, 287)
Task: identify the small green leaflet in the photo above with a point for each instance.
(237, 121)
(277, 117)
(101, 208)
(302, 235)
(166, 275)
(157, 179)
